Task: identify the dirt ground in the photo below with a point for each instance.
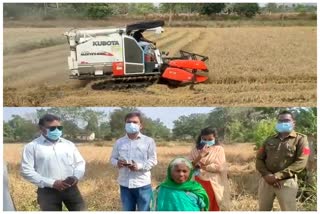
(248, 66)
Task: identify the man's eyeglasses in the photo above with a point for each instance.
(52, 128)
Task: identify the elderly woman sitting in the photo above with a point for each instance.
(178, 192)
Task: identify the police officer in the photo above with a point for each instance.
(281, 157)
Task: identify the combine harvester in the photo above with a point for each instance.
(112, 58)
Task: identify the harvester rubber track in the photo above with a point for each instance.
(120, 83)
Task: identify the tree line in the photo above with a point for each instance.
(244, 124)
(79, 121)
(104, 10)
(233, 124)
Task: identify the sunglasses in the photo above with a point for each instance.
(52, 128)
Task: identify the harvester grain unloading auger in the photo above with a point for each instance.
(113, 59)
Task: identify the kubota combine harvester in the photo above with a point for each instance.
(115, 57)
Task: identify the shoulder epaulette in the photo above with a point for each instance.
(303, 135)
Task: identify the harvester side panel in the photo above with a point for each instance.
(100, 49)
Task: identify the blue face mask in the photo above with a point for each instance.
(54, 135)
(208, 143)
(132, 128)
(284, 127)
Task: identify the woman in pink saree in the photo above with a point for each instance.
(208, 158)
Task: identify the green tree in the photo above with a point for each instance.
(70, 129)
(189, 126)
(141, 8)
(218, 118)
(170, 8)
(99, 10)
(182, 8)
(222, 119)
(263, 130)
(8, 132)
(18, 10)
(155, 129)
(23, 130)
(302, 8)
(119, 8)
(306, 120)
(93, 124)
(272, 7)
(92, 118)
(247, 9)
(236, 131)
(212, 8)
(104, 131)
(238, 124)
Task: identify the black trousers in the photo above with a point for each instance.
(51, 199)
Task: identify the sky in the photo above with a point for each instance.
(166, 114)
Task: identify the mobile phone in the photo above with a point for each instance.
(127, 163)
(69, 180)
(200, 146)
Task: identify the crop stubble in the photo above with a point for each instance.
(101, 191)
(265, 66)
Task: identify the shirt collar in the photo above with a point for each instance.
(138, 137)
(292, 134)
(45, 140)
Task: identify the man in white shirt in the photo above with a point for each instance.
(134, 155)
(55, 165)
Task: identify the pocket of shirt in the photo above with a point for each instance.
(271, 147)
(143, 151)
(291, 150)
(123, 153)
(68, 159)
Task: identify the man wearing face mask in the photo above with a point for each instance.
(279, 160)
(55, 166)
(134, 155)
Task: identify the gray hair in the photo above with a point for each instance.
(180, 160)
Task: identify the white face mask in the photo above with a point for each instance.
(132, 128)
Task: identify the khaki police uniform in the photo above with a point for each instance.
(283, 158)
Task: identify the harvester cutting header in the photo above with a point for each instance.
(116, 57)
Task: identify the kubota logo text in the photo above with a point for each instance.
(105, 43)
